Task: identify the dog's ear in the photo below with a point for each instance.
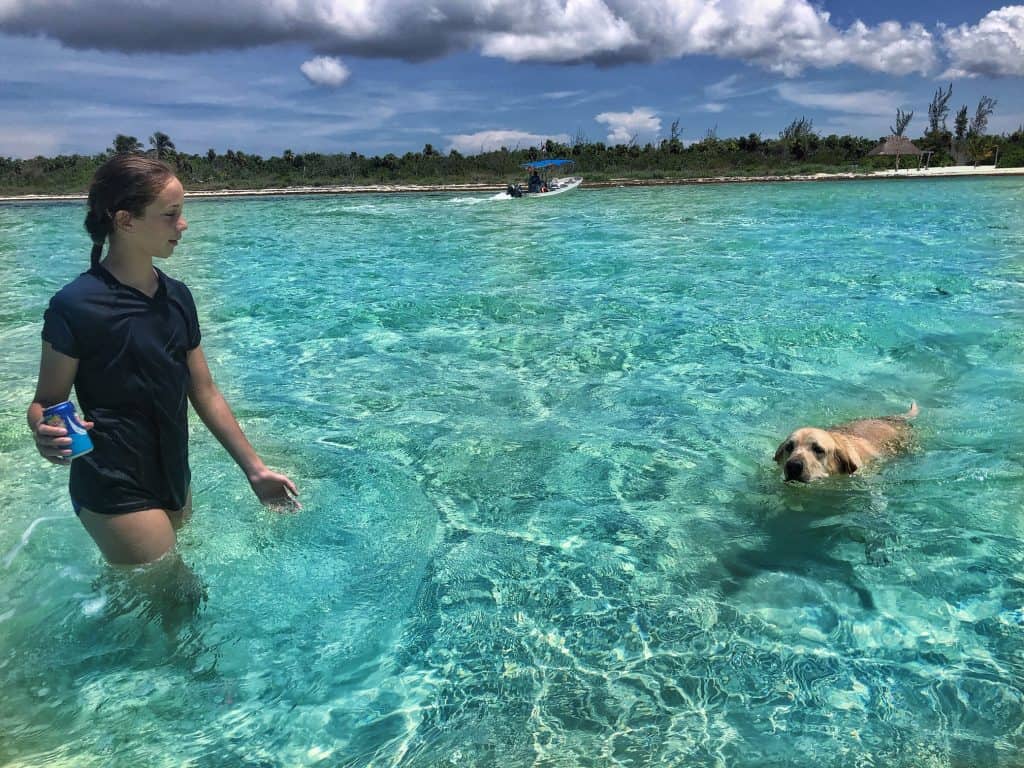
(781, 451)
(846, 458)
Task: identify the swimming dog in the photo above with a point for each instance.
(810, 453)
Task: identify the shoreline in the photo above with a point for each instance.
(903, 173)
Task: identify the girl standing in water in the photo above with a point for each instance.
(127, 337)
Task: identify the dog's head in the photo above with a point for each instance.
(811, 454)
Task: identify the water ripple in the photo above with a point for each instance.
(542, 525)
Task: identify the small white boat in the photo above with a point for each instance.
(540, 184)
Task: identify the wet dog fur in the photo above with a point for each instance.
(810, 453)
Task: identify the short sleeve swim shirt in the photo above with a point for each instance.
(133, 382)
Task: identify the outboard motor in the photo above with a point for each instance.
(514, 190)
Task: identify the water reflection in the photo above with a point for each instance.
(167, 592)
(805, 531)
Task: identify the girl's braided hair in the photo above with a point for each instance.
(125, 182)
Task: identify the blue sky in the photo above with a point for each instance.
(393, 75)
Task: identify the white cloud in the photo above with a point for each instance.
(568, 31)
(624, 126)
(488, 141)
(723, 89)
(875, 103)
(712, 106)
(326, 70)
(890, 47)
(993, 47)
(780, 35)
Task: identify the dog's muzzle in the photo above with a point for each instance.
(794, 470)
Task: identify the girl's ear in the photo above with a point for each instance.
(122, 220)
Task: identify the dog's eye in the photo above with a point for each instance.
(818, 450)
(788, 447)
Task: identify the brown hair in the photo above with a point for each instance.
(127, 182)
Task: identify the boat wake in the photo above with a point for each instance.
(477, 200)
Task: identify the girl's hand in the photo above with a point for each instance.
(274, 490)
(53, 443)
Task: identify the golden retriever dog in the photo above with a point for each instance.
(810, 453)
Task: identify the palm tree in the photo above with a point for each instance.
(126, 145)
(162, 145)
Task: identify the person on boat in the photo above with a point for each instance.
(535, 184)
(127, 337)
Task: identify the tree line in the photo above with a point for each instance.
(969, 139)
(797, 149)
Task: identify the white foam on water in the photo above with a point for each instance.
(94, 606)
(473, 200)
(1013, 617)
(9, 557)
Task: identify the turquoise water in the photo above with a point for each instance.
(542, 525)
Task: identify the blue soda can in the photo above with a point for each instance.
(63, 415)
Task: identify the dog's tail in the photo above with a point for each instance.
(909, 414)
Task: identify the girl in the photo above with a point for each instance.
(127, 336)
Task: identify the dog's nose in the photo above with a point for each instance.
(794, 469)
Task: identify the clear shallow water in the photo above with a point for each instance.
(542, 525)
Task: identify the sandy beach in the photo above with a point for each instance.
(903, 173)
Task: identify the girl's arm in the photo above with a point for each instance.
(270, 487)
(56, 376)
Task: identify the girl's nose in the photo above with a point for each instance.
(182, 224)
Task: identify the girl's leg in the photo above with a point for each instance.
(133, 538)
(174, 593)
(136, 538)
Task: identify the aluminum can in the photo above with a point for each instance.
(63, 415)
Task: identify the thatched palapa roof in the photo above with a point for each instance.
(896, 145)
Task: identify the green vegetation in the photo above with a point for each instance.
(797, 150)
(902, 121)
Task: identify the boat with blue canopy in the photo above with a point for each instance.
(542, 182)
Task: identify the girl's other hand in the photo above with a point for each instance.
(275, 490)
(53, 443)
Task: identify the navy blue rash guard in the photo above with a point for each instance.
(133, 382)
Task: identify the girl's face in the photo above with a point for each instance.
(159, 228)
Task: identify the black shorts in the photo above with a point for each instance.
(155, 505)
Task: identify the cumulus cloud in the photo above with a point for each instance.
(890, 47)
(993, 47)
(624, 126)
(787, 36)
(325, 70)
(488, 141)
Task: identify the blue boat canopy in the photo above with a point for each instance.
(538, 164)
